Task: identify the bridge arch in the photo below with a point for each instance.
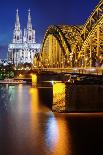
(57, 47)
(67, 46)
(90, 53)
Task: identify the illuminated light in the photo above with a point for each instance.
(75, 69)
(59, 96)
(58, 87)
(78, 78)
(34, 79)
(69, 80)
(20, 76)
(52, 82)
(86, 59)
(90, 69)
(100, 57)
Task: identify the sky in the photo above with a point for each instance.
(44, 13)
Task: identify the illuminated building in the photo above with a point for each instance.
(23, 46)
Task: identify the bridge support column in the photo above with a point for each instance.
(71, 97)
(34, 79)
(59, 97)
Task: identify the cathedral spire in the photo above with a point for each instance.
(17, 35)
(17, 23)
(29, 24)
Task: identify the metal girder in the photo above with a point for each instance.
(75, 46)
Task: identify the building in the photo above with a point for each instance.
(23, 46)
(3, 62)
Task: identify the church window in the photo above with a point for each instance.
(17, 37)
(29, 37)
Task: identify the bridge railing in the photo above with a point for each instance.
(80, 70)
(93, 70)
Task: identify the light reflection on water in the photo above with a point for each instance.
(34, 100)
(31, 126)
(28, 127)
(52, 133)
(58, 136)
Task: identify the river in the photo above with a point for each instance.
(29, 127)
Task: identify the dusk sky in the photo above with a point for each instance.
(43, 13)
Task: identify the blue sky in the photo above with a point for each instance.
(44, 13)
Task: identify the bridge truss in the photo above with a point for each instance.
(78, 46)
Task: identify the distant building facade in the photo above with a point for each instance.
(23, 46)
(3, 62)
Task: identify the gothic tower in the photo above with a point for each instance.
(30, 31)
(23, 47)
(17, 35)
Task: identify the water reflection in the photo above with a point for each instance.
(63, 138)
(34, 109)
(4, 98)
(27, 129)
(58, 136)
(34, 79)
(20, 98)
(34, 99)
(12, 93)
(52, 132)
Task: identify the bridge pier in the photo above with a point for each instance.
(77, 97)
(59, 104)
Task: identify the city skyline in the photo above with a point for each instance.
(43, 14)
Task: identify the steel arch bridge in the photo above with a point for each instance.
(78, 46)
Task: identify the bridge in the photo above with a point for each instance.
(74, 48)
(70, 49)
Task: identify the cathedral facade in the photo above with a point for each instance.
(23, 46)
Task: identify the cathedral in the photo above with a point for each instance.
(23, 46)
